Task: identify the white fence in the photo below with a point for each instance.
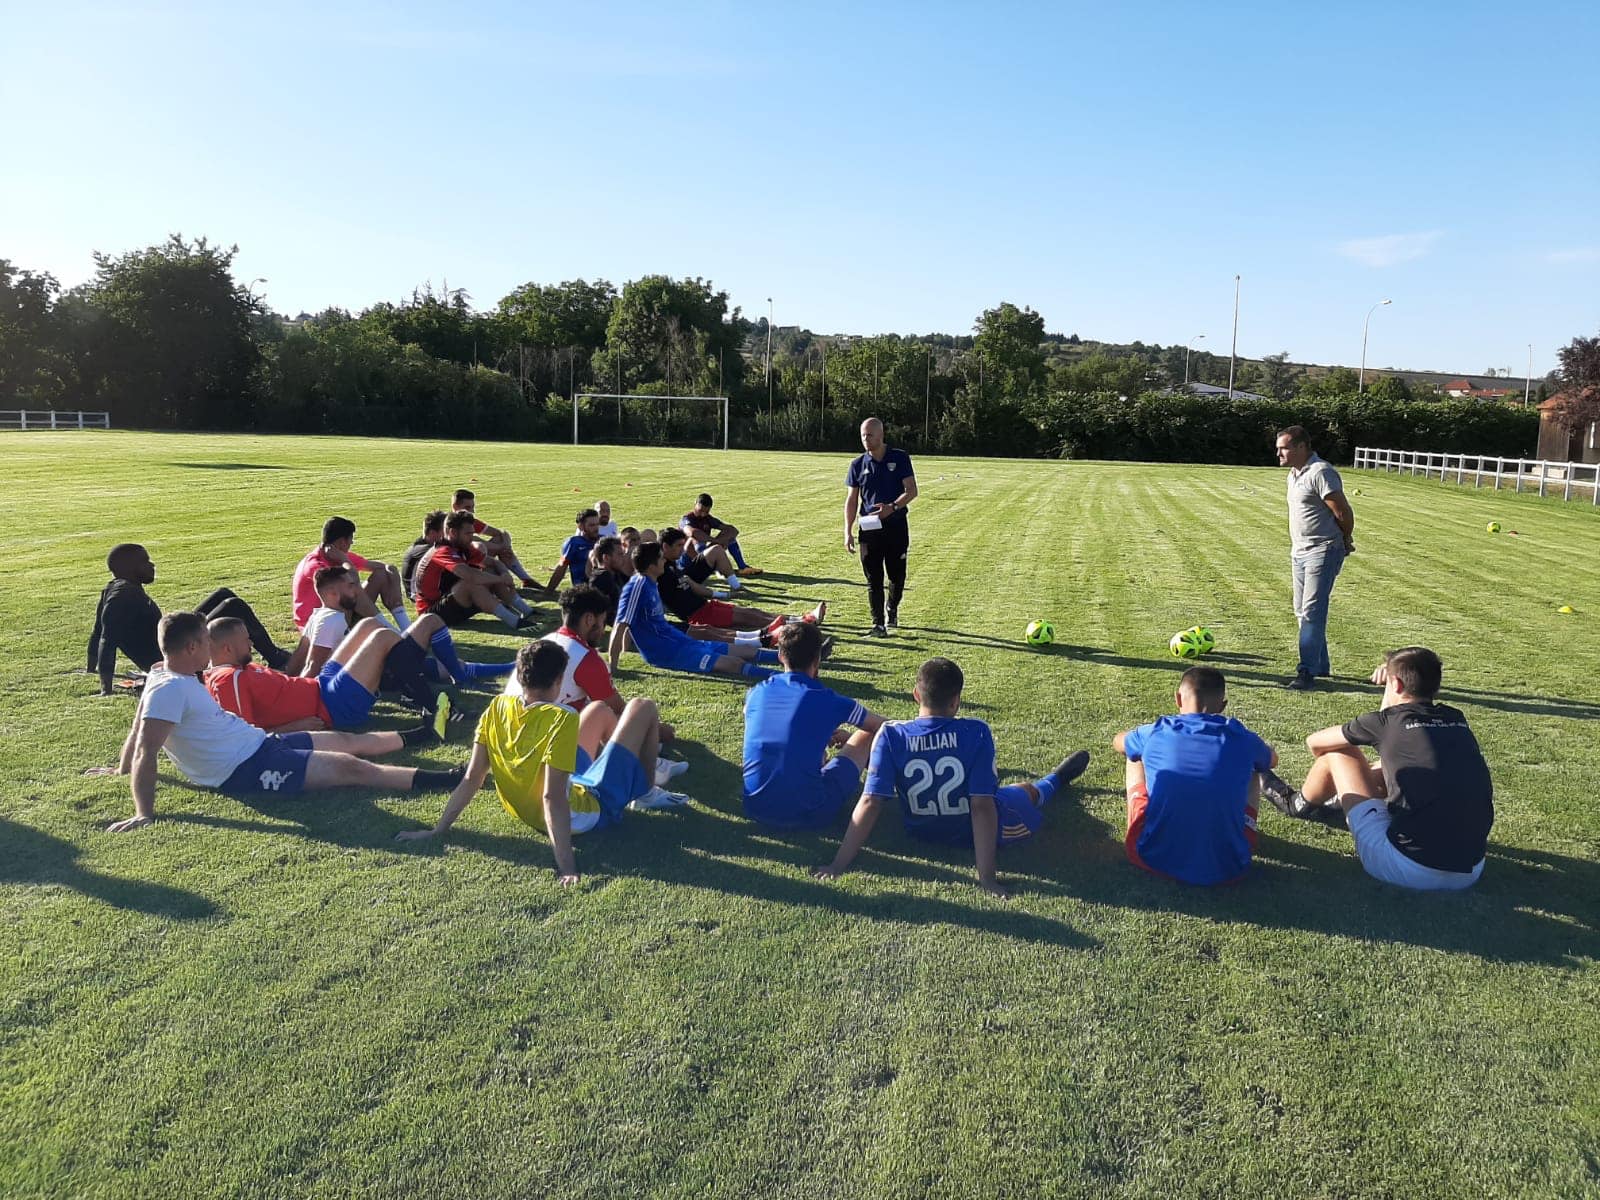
(49, 418)
(1481, 469)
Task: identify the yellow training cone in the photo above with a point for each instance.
(1566, 608)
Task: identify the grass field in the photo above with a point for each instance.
(279, 1000)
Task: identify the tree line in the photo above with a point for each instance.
(166, 337)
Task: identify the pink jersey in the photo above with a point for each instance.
(306, 601)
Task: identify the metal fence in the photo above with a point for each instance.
(49, 418)
(1582, 479)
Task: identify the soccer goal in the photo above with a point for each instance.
(650, 420)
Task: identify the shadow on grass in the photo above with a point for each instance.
(229, 466)
(1529, 907)
(31, 857)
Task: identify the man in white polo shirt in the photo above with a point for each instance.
(1321, 525)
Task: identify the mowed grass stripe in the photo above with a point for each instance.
(282, 1001)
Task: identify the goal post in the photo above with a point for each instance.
(662, 420)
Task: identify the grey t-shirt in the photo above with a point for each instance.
(1311, 523)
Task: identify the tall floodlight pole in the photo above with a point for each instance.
(1527, 384)
(1188, 350)
(1361, 377)
(1233, 353)
(822, 410)
(927, 401)
(769, 359)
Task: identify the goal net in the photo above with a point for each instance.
(650, 420)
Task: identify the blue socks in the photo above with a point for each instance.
(751, 671)
(1047, 789)
(444, 649)
(738, 554)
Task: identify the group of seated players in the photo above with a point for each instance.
(569, 756)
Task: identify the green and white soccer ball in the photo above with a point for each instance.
(1207, 639)
(1039, 633)
(1186, 644)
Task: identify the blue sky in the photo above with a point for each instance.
(873, 168)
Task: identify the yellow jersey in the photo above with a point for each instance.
(523, 740)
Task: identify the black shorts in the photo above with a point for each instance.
(452, 612)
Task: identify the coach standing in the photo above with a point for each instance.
(881, 486)
(1320, 537)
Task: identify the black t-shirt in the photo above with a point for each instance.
(408, 565)
(1441, 801)
(680, 601)
(125, 620)
(609, 584)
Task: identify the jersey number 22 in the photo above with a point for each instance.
(950, 774)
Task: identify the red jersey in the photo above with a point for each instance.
(267, 698)
(305, 586)
(436, 572)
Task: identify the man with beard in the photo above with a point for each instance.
(453, 582)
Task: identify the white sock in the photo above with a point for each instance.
(733, 583)
(518, 604)
(402, 619)
(750, 637)
(506, 615)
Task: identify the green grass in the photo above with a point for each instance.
(277, 1000)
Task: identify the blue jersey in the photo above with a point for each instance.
(881, 480)
(640, 606)
(935, 765)
(575, 553)
(1197, 769)
(787, 722)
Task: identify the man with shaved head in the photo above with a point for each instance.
(880, 486)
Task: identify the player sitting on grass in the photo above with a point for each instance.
(216, 749)
(340, 696)
(711, 619)
(575, 550)
(383, 582)
(942, 767)
(1421, 813)
(452, 581)
(126, 618)
(789, 722)
(555, 771)
(496, 543)
(715, 539)
(641, 615)
(432, 534)
(1192, 784)
(336, 618)
(609, 568)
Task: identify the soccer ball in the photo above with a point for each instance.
(1186, 645)
(1207, 639)
(1494, 526)
(1039, 633)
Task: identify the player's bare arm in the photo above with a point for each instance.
(558, 822)
(1326, 741)
(150, 736)
(477, 771)
(862, 820)
(985, 843)
(619, 640)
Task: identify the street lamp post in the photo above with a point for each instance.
(1527, 384)
(1188, 350)
(1361, 378)
(769, 358)
(1233, 351)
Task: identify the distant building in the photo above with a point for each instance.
(1467, 389)
(1559, 444)
(1211, 389)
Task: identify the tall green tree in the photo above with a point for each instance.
(176, 347)
(1578, 377)
(549, 333)
(35, 368)
(670, 335)
(1007, 343)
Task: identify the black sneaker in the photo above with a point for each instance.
(529, 621)
(877, 631)
(1303, 681)
(1070, 767)
(1331, 815)
(827, 649)
(894, 619)
(1279, 794)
